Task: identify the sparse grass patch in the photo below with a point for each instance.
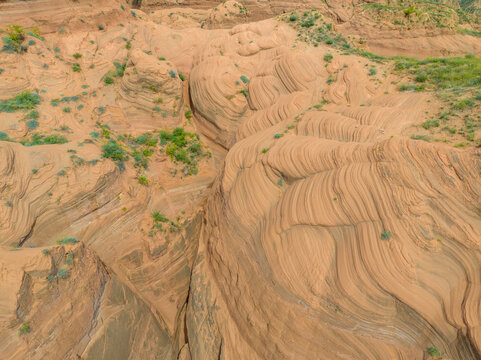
(38, 139)
(420, 137)
(23, 101)
(67, 241)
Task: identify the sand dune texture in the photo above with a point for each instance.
(199, 180)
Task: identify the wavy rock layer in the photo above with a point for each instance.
(325, 235)
(317, 229)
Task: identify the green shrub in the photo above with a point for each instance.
(307, 22)
(77, 55)
(244, 79)
(13, 42)
(76, 67)
(38, 139)
(23, 101)
(420, 137)
(24, 329)
(108, 80)
(46, 252)
(32, 124)
(431, 123)
(119, 69)
(143, 180)
(328, 58)
(409, 11)
(385, 235)
(113, 150)
(421, 77)
(33, 115)
(158, 217)
(433, 351)
(150, 87)
(66, 241)
(4, 136)
(62, 273)
(463, 104)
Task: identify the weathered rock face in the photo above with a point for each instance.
(63, 302)
(310, 225)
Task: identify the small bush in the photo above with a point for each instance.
(23, 101)
(113, 150)
(108, 80)
(431, 123)
(4, 136)
(62, 273)
(13, 42)
(328, 58)
(421, 77)
(76, 67)
(420, 137)
(24, 329)
(158, 217)
(119, 69)
(46, 252)
(385, 235)
(143, 180)
(172, 74)
(77, 55)
(66, 241)
(33, 115)
(32, 124)
(409, 11)
(433, 351)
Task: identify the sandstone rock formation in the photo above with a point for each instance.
(203, 180)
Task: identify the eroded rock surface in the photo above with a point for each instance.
(202, 180)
